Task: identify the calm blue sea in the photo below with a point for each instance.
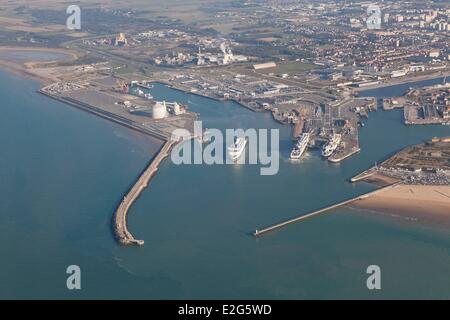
(63, 172)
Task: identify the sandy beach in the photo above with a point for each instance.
(425, 203)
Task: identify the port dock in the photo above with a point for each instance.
(120, 217)
(261, 232)
(130, 124)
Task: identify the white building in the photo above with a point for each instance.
(264, 65)
(159, 110)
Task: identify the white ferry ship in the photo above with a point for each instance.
(331, 146)
(300, 146)
(236, 149)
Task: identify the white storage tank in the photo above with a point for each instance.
(159, 110)
(178, 109)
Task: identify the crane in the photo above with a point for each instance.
(123, 86)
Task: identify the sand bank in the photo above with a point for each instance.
(23, 67)
(431, 203)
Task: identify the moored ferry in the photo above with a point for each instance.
(332, 145)
(300, 146)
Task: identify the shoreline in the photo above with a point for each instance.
(22, 72)
(23, 68)
(420, 202)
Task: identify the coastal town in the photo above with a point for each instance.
(308, 82)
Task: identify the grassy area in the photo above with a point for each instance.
(224, 28)
(189, 11)
(123, 69)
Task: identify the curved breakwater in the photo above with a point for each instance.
(120, 217)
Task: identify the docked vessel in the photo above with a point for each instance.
(300, 146)
(236, 149)
(332, 145)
